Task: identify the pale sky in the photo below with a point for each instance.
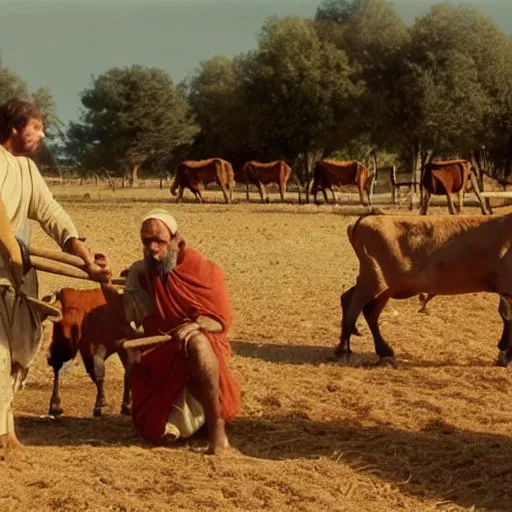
(63, 43)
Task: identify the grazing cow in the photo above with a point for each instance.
(97, 329)
(329, 173)
(403, 256)
(261, 174)
(445, 177)
(196, 174)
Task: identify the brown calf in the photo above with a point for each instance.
(97, 329)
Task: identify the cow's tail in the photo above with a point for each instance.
(352, 228)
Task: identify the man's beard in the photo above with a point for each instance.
(164, 266)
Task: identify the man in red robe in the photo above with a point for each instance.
(189, 299)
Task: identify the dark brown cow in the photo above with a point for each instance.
(261, 174)
(329, 173)
(445, 177)
(97, 330)
(196, 174)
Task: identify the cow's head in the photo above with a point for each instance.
(66, 335)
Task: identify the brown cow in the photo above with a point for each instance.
(97, 329)
(196, 174)
(403, 256)
(445, 177)
(329, 173)
(261, 174)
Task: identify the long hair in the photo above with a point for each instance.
(15, 114)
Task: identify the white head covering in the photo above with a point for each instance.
(165, 217)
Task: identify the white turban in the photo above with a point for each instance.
(165, 217)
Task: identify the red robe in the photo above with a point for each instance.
(194, 287)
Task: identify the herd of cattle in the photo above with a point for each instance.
(439, 178)
(399, 257)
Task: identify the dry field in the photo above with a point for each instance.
(431, 435)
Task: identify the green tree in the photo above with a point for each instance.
(299, 90)
(131, 115)
(374, 38)
(216, 97)
(11, 85)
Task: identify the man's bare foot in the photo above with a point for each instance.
(9, 443)
(218, 439)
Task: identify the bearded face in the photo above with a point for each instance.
(160, 247)
(27, 141)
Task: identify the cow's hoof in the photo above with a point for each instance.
(126, 410)
(340, 350)
(502, 359)
(98, 411)
(55, 410)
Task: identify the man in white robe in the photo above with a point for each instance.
(24, 195)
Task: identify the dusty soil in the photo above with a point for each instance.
(313, 434)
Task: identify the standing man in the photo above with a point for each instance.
(176, 290)
(24, 195)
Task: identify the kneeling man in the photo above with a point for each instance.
(179, 384)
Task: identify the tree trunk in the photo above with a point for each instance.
(134, 175)
(374, 178)
(110, 181)
(478, 185)
(508, 161)
(416, 176)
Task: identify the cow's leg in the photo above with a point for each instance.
(351, 307)
(282, 190)
(199, 196)
(225, 192)
(263, 193)
(55, 408)
(95, 366)
(426, 202)
(424, 299)
(461, 200)
(325, 195)
(204, 385)
(505, 343)
(126, 405)
(180, 194)
(334, 200)
(314, 193)
(247, 190)
(451, 206)
(371, 312)
(361, 191)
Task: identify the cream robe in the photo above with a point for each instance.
(26, 196)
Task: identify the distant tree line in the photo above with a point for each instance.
(353, 82)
